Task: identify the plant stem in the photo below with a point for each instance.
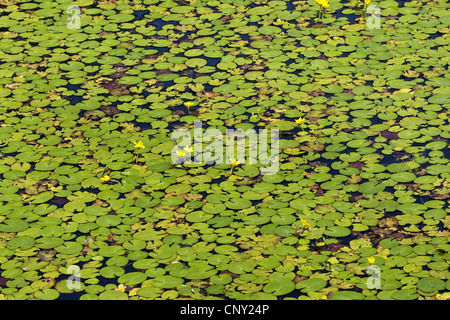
(136, 157)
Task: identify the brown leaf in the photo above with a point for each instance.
(233, 275)
(299, 278)
(390, 135)
(334, 247)
(163, 71)
(356, 164)
(111, 237)
(59, 201)
(319, 192)
(110, 110)
(3, 281)
(190, 196)
(388, 222)
(46, 255)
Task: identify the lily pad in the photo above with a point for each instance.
(132, 278)
(279, 288)
(22, 243)
(337, 231)
(347, 295)
(309, 285)
(13, 225)
(167, 282)
(113, 295)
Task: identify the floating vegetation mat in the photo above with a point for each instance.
(94, 207)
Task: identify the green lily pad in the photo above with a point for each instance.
(111, 272)
(132, 278)
(213, 208)
(202, 271)
(167, 282)
(282, 125)
(113, 295)
(69, 247)
(13, 225)
(108, 220)
(371, 187)
(347, 295)
(409, 219)
(403, 176)
(309, 285)
(46, 294)
(238, 203)
(149, 235)
(48, 242)
(405, 294)
(111, 251)
(429, 286)
(279, 288)
(337, 231)
(22, 243)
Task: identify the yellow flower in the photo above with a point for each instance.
(120, 287)
(371, 260)
(323, 3)
(300, 120)
(139, 144)
(188, 104)
(304, 223)
(234, 163)
(367, 2)
(189, 149)
(180, 153)
(105, 178)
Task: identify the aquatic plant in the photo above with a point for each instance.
(93, 207)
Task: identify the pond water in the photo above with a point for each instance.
(363, 164)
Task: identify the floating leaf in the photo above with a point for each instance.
(337, 231)
(279, 288)
(22, 243)
(309, 285)
(167, 282)
(13, 225)
(113, 295)
(347, 295)
(132, 278)
(371, 187)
